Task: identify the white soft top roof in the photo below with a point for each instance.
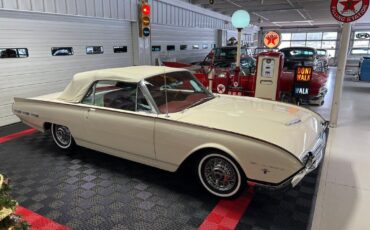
(82, 82)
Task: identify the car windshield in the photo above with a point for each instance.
(181, 90)
(260, 50)
(298, 53)
(321, 52)
(228, 53)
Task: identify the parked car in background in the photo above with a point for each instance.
(259, 50)
(354, 59)
(304, 56)
(224, 58)
(322, 54)
(222, 62)
(163, 117)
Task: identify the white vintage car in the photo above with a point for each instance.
(163, 117)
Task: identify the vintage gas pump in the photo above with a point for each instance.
(269, 69)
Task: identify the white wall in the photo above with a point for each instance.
(164, 35)
(178, 23)
(113, 9)
(41, 24)
(42, 73)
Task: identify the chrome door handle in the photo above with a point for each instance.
(88, 112)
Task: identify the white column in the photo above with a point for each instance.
(239, 47)
(141, 47)
(342, 58)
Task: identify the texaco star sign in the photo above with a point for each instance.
(348, 10)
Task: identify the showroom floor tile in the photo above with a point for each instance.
(84, 189)
(343, 200)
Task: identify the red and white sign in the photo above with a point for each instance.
(348, 10)
(271, 39)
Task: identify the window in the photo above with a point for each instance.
(117, 95)
(284, 45)
(195, 47)
(205, 46)
(286, 36)
(329, 44)
(321, 52)
(13, 52)
(299, 36)
(170, 48)
(183, 47)
(329, 36)
(94, 50)
(361, 43)
(156, 48)
(331, 53)
(314, 44)
(179, 89)
(120, 49)
(61, 51)
(360, 51)
(298, 43)
(314, 36)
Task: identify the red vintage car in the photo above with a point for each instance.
(224, 81)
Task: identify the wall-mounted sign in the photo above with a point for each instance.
(272, 39)
(303, 76)
(348, 10)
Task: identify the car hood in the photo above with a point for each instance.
(291, 127)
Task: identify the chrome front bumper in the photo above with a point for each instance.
(312, 159)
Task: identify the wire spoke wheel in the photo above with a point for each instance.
(219, 175)
(62, 136)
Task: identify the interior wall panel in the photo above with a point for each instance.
(38, 5)
(172, 12)
(106, 9)
(71, 7)
(41, 73)
(61, 6)
(10, 4)
(24, 4)
(114, 8)
(99, 8)
(121, 9)
(90, 8)
(127, 9)
(50, 6)
(81, 7)
(164, 35)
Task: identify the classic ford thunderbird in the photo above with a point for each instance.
(164, 117)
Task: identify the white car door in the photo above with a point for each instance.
(120, 118)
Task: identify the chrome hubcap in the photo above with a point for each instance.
(220, 174)
(63, 135)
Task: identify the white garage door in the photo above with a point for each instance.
(184, 44)
(41, 73)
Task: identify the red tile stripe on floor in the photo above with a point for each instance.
(37, 221)
(227, 213)
(17, 135)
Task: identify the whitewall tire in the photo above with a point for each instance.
(62, 136)
(220, 175)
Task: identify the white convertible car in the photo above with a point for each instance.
(163, 117)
